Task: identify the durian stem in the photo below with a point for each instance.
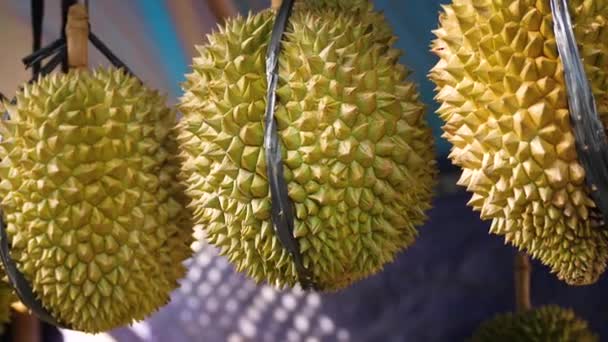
(77, 33)
(275, 4)
(222, 9)
(26, 328)
(522, 282)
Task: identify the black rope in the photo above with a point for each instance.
(39, 55)
(591, 140)
(282, 207)
(20, 284)
(58, 49)
(37, 18)
(103, 48)
(53, 63)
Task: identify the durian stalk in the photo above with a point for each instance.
(522, 282)
(275, 4)
(19, 307)
(222, 9)
(77, 33)
(27, 328)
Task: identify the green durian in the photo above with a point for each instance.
(96, 220)
(501, 88)
(545, 324)
(358, 154)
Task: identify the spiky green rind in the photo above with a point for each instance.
(546, 324)
(501, 88)
(7, 295)
(95, 220)
(345, 5)
(357, 152)
(178, 246)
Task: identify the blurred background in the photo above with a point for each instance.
(455, 276)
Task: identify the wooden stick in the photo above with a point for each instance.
(275, 4)
(77, 33)
(26, 328)
(222, 9)
(522, 282)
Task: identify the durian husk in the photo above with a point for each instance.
(96, 219)
(7, 295)
(357, 151)
(501, 88)
(545, 324)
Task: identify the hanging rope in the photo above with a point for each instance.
(589, 134)
(282, 207)
(20, 284)
(37, 18)
(57, 50)
(97, 43)
(39, 55)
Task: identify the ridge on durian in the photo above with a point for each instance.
(95, 217)
(545, 324)
(501, 88)
(358, 154)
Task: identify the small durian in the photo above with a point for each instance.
(358, 154)
(96, 219)
(545, 324)
(501, 87)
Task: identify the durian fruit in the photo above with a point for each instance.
(501, 88)
(96, 219)
(545, 324)
(7, 295)
(357, 152)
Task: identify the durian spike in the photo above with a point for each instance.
(522, 282)
(275, 4)
(77, 33)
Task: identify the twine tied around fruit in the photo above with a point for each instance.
(281, 205)
(21, 286)
(589, 134)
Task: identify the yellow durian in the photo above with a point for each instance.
(95, 217)
(501, 87)
(357, 151)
